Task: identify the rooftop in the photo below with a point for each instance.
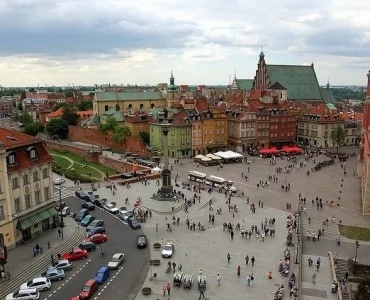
(128, 96)
(13, 139)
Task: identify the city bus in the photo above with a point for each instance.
(196, 176)
(215, 181)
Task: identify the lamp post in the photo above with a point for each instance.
(357, 246)
(61, 225)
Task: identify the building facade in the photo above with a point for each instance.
(26, 204)
(6, 107)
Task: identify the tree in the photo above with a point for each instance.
(32, 90)
(337, 136)
(25, 119)
(57, 128)
(145, 137)
(68, 93)
(59, 105)
(363, 289)
(109, 125)
(33, 128)
(120, 133)
(85, 105)
(19, 106)
(69, 114)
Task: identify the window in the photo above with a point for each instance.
(141, 106)
(2, 213)
(35, 176)
(32, 153)
(37, 197)
(27, 199)
(17, 205)
(46, 193)
(15, 183)
(25, 179)
(45, 173)
(11, 159)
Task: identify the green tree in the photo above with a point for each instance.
(32, 90)
(68, 93)
(33, 128)
(85, 105)
(120, 133)
(25, 118)
(69, 114)
(23, 95)
(109, 125)
(57, 128)
(363, 289)
(59, 105)
(337, 136)
(145, 137)
(19, 106)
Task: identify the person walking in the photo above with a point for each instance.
(168, 288)
(253, 260)
(59, 232)
(174, 267)
(314, 278)
(247, 259)
(218, 278)
(238, 270)
(248, 280)
(201, 293)
(228, 257)
(252, 279)
(318, 262)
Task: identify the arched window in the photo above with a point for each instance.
(106, 108)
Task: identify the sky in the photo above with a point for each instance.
(86, 42)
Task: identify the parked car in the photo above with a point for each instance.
(65, 211)
(86, 221)
(102, 275)
(116, 261)
(28, 294)
(40, 284)
(95, 223)
(135, 224)
(141, 241)
(63, 264)
(81, 214)
(81, 194)
(88, 246)
(52, 274)
(110, 208)
(75, 254)
(90, 287)
(90, 198)
(97, 238)
(168, 250)
(99, 202)
(95, 230)
(88, 205)
(59, 181)
(124, 215)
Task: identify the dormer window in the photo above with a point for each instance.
(32, 152)
(11, 158)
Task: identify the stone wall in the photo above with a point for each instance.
(98, 138)
(121, 166)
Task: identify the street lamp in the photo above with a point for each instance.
(357, 246)
(61, 225)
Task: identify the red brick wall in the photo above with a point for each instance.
(95, 137)
(121, 166)
(93, 157)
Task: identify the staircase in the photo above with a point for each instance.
(331, 231)
(341, 269)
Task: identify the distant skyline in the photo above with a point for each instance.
(87, 42)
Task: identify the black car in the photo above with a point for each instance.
(88, 246)
(95, 230)
(80, 194)
(141, 241)
(98, 202)
(88, 205)
(95, 223)
(90, 198)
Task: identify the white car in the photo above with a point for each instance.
(59, 180)
(65, 211)
(26, 294)
(168, 250)
(116, 261)
(39, 283)
(124, 215)
(111, 208)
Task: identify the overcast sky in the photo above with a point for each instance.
(83, 42)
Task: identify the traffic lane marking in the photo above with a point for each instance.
(65, 282)
(107, 283)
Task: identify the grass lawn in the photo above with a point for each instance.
(82, 166)
(60, 162)
(355, 233)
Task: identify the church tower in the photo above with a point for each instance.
(173, 95)
(260, 79)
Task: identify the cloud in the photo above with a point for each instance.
(92, 36)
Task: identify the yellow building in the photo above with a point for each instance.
(26, 204)
(127, 102)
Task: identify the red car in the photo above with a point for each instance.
(89, 289)
(97, 238)
(75, 254)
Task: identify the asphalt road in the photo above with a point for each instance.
(124, 283)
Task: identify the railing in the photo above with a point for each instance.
(334, 275)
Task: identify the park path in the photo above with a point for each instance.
(72, 163)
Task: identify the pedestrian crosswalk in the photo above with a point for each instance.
(65, 194)
(331, 230)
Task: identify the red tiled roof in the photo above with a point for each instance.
(201, 105)
(55, 114)
(178, 119)
(13, 139)
(321, 110)
(23, 160)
